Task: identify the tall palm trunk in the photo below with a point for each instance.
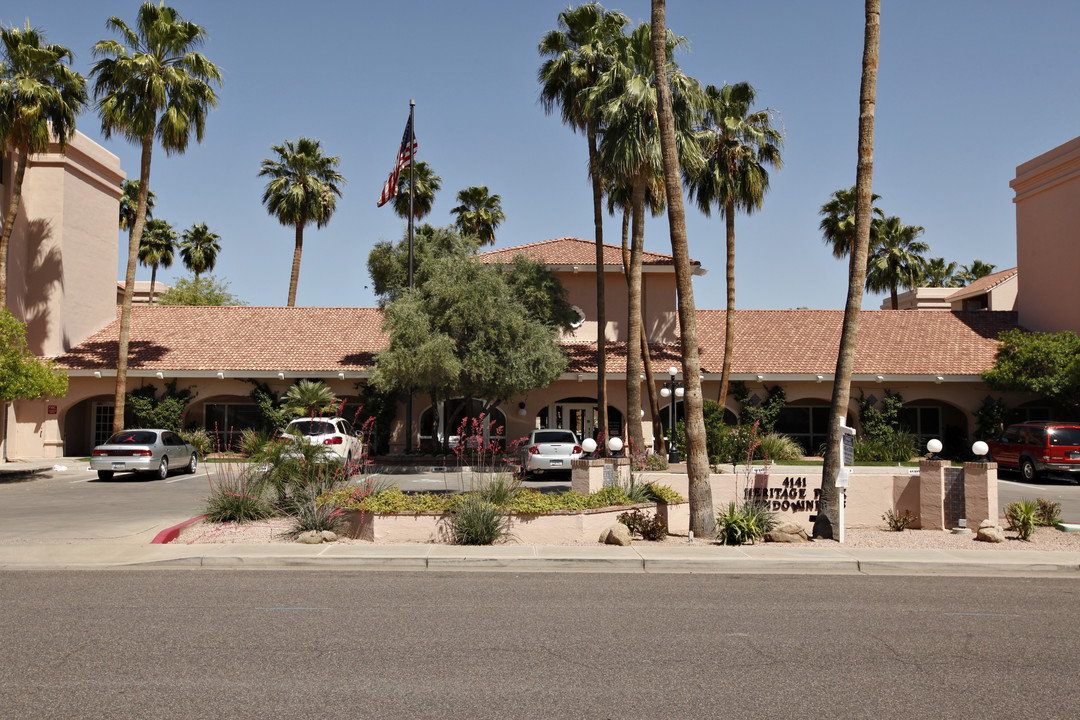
(119, 395)
(153, 281)
(9, 223)
(633, 317)
(729, 319)
(895, 297)
(702, 521)
(601, 309)
(845, 359)
(654, 401)
(294, 277)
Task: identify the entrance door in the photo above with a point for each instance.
(579, 418)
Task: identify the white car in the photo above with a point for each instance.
(336, 434)
(548, 451)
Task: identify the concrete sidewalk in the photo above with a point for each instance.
(697, 558)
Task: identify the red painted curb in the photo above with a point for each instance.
(169, 534)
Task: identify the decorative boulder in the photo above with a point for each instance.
(617, 534)
(989, 532)
(789, 532)
(328, 536)
(311, 537)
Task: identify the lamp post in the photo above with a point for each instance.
(672, 388)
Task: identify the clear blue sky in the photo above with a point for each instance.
(967, 90)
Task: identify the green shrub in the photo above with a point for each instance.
(253, 443)
(200, 440)
(653, 462)
(238, 499)
(662, 493)
(310, 514)
(898, 521)
(649, 527)
(891, 446)
(1048, 512)
(476, 521)
(500, 489)
(746, 522)
(1021, 517)
(529, 501)
(611, 496)
(779, 448)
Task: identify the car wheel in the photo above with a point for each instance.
(163, 469)
(104, 474)
(1027, 470)
(193, 464)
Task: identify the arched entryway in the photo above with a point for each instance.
(87, 423)
(453, 419)
(579, 414)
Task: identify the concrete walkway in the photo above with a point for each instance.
(696, 558)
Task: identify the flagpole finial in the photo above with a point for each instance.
(412, 103)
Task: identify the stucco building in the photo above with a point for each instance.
(932, 357)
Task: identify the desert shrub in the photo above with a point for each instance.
(893, 446)
(146, 409)
(649, 527)
(780, 448)
(648, 461)
(765, 412)
(1021, 517)
(662, 493)
(530, 501)
(611, 496)
(310, 514)
(253, 442)
(237, 498)
(898, 521)
(200, 440)
(741, 523)
(1047, 512)
(477, 521)
(500, 489)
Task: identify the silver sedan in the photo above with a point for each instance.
(144, 451)
(547, 451)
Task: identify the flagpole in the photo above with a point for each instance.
(412, 196)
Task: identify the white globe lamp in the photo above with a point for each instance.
(934, 446)
(615, 444)
(980, 448)
(588, 445)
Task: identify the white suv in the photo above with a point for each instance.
(336, 434)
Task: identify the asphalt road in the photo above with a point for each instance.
(261, 644)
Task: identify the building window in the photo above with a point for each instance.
(807, 425)
(923, 421)
(103, 418)
(225, 422)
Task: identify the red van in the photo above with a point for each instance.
(1039, 448)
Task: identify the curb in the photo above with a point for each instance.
(169, 534)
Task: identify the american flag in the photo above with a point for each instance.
(404, 160)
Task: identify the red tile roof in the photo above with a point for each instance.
(571, 251)
(915, 342)
(237, 338)
(983, 285)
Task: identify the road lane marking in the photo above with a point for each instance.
(1023, 485)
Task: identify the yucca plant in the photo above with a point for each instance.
(477, 521)
(741, 523)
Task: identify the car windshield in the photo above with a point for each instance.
(311, 427)
(555, 436)
(1064, 436)
(133, 437)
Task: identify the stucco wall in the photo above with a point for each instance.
(1047, 237)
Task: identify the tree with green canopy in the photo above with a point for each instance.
(152, 83)
(738, 145)
(388, 263)
(427, 184)
(309, 398)
(896, 259)
(1044, 364)
(205, 290)
(156, 248)
(859, 247)
(23, 375)
(838, 221)
(478, 214)
(129, 202)
(629, 151)
(303, 188)
(41, 95)
(938, 273)
(199, 249)
(585, 45)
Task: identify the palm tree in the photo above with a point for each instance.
(478, 214)
(970, 273)
(838, 221)
(150, 84)
(427, 184)
(629, 152)
(896, 259)
(585, 46)
(697, 461)
(156, 247)
(129, 201)
(309, 397)
(845, 358)
(40, 97)
(737, 145)
(938, 273)
(303, 188)
(200, 249)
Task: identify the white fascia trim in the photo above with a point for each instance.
(229, 374)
